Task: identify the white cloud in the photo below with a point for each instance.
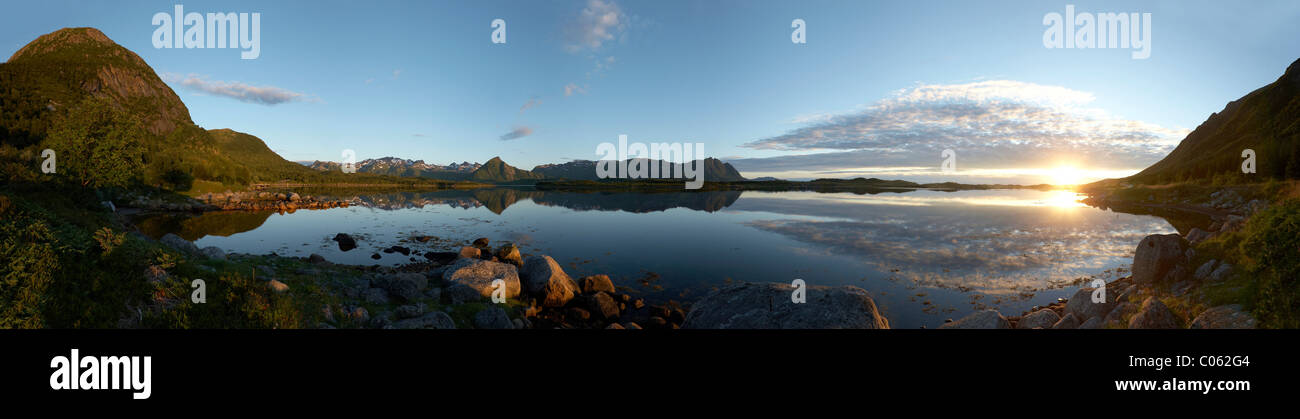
(518, 132)
(988, 123)
(570, 89)
(531, 103)
(599, 22)
(263, 95)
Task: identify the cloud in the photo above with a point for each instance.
(988, 123)
(263, 95)
(599, 22)
(570, 89)
(531, 103)
(396, 73)
(518, 132)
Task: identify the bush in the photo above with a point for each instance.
(98, 145)
(1270, 245)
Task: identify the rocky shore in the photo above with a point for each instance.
(237, 201)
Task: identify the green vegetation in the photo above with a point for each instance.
(96, 146)
(1268, 249)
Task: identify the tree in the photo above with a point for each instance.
(98, 145)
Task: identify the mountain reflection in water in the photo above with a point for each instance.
(925, 255)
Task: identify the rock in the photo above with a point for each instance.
(375, 296)
(176, 242)
(615, 326)
(398, 249)
(1093, 323)
(375, 256)
(479, 274)
(212, 252)
(432, 320)
(1083, 308)
(984, 319)
(470, 253)
(461, 293)
(509, 253)
(294, 197)
(1156, 255)
(1154, 315)
(631, 326)
(359, 315)
(409, 311)
(441, 258)
(1224, 317)
(1067, 322)
(542, 277)
(481, 243)
(603, 306)
(346, 242)
(768, 306)
(1116, 317)
(492, 318)
(316, 259)
(577, 314)
(407, 286)
(1222, 273)
(597, 283)
(1203, 272)
(278, 286)
(1044, 318)
(1197, 235)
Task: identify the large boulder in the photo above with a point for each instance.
(479, 274)
(542, 277)
(603, 306)
(1082, 307)
(407, 286)
(492, 318)
(509, 253)
(1224, 317)
(769, 306)
(176, 242)
(1069, 321)
(1154, 315)
(346, 242)
(597, 283)
(1116, 317)
(983, 319)
(1156, 255)
(1043, 318)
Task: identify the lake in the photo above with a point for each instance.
(924, 255)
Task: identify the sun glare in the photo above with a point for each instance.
(1067, 176)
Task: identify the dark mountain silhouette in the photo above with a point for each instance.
(496, 170)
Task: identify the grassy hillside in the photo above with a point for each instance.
(1266, 121)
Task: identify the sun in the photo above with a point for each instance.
(1066, 175)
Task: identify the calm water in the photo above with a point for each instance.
(924, 255)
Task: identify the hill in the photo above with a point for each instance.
(1267, 120)
(496, 170)
(714, 170)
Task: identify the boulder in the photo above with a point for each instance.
(603, 306)
(346, 242)
(1069, 321)
(1197, 235)
(1093, 323)
(983, 319)
(479, 274)
(509, 253)
(468, 252)
(1156, 255)
(176, 242)
(1116, 317)
(542, 277)
(432, 320)
(278, 286)
(1083, 308)
(213, 252)
(769, 306)
(409, 311)
(1224, 317)
(375, 296)
(460, 294)
(1043, 318)
(1207, 268)
(481, 243)
(316, 259)
(1154, 315)
(406, 286)
(597, 283)
(492, 318)
(1222, 273)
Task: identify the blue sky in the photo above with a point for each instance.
(891, 82)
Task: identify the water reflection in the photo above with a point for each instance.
(924, 254)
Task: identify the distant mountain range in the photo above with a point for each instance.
(498, 171)
(1267, 121)
(393, 166)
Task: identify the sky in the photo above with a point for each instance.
(879, 88)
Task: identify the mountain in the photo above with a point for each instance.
(46, 79)
(714, 170)
(1267, 121)
(393, 166)
(496, 170)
